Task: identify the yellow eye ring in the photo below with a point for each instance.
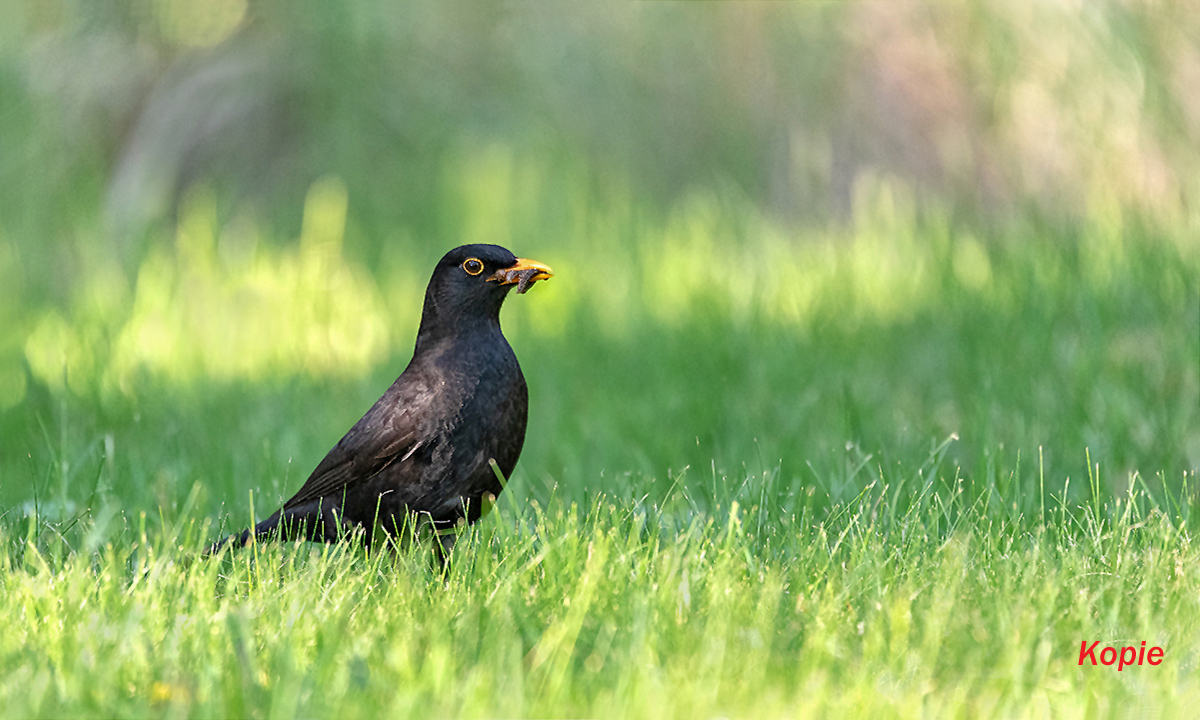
(472, 266)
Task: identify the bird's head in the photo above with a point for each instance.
(470, 283)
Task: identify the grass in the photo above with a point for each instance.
(901, 469)
(900, 465)
(885, 607)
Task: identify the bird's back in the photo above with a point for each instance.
(424, 449)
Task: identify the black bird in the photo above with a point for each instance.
(425, 450)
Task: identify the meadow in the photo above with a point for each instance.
(902, 468)
(868, 384)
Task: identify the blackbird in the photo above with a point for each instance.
(429, 449)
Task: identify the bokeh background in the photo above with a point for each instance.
(793, 239)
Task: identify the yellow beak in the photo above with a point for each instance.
(525, 272)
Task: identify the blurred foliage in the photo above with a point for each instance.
(118, 106)
(701, 342)
(217, 308)
(809, 224)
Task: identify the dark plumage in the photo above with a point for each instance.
(424, 449)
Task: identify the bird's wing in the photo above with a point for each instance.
(386, 434)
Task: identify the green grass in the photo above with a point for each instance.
(903, 470)
(897, 604)
(803, 442)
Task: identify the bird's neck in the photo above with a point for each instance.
(470, 329)
(447, 316)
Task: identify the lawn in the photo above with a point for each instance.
(902, 468)
(868, 384)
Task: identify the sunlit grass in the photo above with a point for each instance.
(225, 303)
(898, 468)
(222, 304)
(891, 605)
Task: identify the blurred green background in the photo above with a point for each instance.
(797, 240)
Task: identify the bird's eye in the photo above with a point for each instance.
(472, 266)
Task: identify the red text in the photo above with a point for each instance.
(1123, 657)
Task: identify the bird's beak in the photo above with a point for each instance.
(523, 272)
